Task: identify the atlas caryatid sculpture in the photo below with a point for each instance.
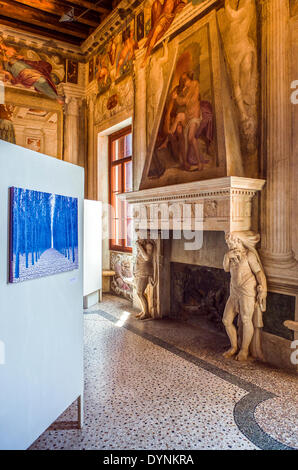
(145, 274)
(248, 292)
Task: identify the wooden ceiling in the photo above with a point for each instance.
(42, 17)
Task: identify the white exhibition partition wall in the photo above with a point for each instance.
(92, 247)
(41, 320)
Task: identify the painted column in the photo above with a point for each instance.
(74, 95)
(276, 138)
(139, 123)
(91, 158)
(71, 142)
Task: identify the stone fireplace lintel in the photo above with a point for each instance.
(226, 203)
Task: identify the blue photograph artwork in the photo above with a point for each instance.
(43, 234)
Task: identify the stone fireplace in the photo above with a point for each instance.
(199, 292)
(226, 204)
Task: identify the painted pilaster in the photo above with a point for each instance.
(92, 176)
(71, 143)
(139, 123)
(74, 96)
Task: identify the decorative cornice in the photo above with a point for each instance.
(70, 90)
(35, 41)
(219, 187)
(221, 204)
(110, 26)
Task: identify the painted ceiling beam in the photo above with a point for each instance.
(19, 26)
(91, 6)
(57, 8)
(27, 15)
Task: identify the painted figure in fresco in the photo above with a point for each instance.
(248, 292)
(91, 70)
(144, 273)
(140, 26)
(112, 51)
(163, 13)
(187, 119)
(242, 57)
(33, 144)
(191, 118)
(72, 71)
(36, 73)
(128, 50)
(174, 126)
(102, 72)
(6, 125)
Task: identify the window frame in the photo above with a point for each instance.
(121, 162)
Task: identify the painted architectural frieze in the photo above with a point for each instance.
(119, 98)
(114, 60)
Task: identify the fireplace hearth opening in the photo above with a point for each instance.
(199, 292)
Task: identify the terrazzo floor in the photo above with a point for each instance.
(164, 385)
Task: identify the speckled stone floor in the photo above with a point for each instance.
(164, 385)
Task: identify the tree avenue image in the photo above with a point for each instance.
(43, 234)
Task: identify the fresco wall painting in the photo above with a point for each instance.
(184, 145)
(32, 115)
(114, 61)
(72, 71)
(31, 80)
(24, 67)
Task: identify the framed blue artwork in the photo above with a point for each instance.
(43, 234)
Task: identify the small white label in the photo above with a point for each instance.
(2, 353)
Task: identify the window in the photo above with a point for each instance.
(120, 153)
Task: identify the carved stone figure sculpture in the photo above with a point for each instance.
(145, 274)
(122, 282)
(242, 58)
(248, 292)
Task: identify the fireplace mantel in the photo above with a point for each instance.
(221, 204)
